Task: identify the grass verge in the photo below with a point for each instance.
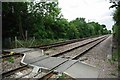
(36, 42)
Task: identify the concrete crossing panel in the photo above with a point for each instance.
(65, 66)
(80, 70)
(49, 63)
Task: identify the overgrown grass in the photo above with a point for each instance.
(116, 58)
(116, 55)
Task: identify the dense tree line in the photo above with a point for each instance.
(116, 26)
(116, 32)
(45, 21)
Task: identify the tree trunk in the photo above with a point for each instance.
(20, 27)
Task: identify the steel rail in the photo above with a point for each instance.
(81, 54)
(50, 73)
(61, 53)
(12, 71)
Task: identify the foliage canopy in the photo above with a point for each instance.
(45, 21)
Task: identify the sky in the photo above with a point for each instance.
(92, 10)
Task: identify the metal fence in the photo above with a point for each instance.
(15, 42)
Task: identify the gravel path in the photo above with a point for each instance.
(99, 57)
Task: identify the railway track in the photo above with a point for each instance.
(60, 54)
(80, 51)
(56, 54)
(46, 76)
(50, 73)
(8, 73)
(45, 47)
(6, 54)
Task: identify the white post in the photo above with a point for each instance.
(15, 41)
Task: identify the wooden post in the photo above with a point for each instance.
(15, 41)
(26, 34)
(32, 41)
(9, 42)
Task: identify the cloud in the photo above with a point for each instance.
(97, 10)
(107, 20)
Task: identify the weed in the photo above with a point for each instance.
(119, 67)
(11, 60)
(113, 74)
(111, 61)
(116, 55)
(53, 48)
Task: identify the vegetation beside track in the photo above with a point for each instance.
(36, 42)
(44, 21)
(116, 32)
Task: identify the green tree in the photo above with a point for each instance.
(116, 17)
(44, 20)
(14, 16)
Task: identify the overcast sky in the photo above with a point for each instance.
(93, 10)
